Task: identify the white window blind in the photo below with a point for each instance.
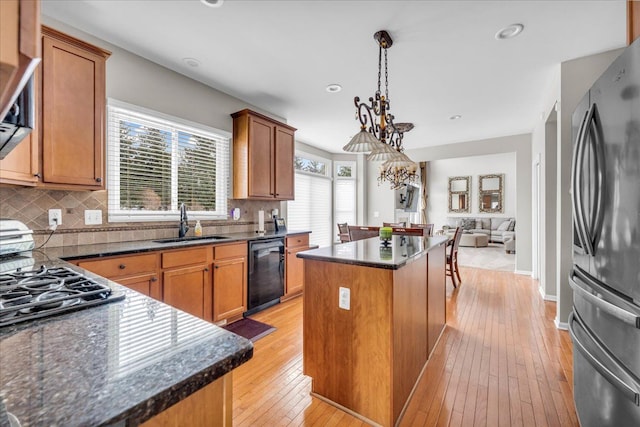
(345, 194)
(311, 209)
(156, 162)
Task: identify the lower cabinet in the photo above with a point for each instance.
(294, 266)
(186, 280)
(230, 282)
(147, 284)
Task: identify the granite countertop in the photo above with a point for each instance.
(119, 362)
(121, 248)
(372, 253)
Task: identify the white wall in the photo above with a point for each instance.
(439, 171)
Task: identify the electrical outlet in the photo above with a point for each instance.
(344, 298)
(55, 217)
(92, 217)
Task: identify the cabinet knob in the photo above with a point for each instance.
(289, 252)
(122, 266)
(207, 268)
(98, 179)
(216, 266)
(37, 175)
(154, 279)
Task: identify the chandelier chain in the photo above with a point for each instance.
(379, 66)
(386, 76)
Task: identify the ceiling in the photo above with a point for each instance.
(445, 60)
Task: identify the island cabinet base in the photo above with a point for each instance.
(368, 358)
(209, 406)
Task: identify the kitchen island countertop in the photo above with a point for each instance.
(119, 363)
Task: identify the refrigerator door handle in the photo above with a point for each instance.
(593, 227)
(628, 391)
(576, 188)
(615, 311)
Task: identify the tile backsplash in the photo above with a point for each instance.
(31, 206)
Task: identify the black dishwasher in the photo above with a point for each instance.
(266, 274)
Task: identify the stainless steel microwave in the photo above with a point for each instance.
(19, 120)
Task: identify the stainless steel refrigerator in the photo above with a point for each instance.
(605, 192)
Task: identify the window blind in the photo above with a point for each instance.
(311, 209)
(156, 162)
(345, 205)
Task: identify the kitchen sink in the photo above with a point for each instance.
(189, 239)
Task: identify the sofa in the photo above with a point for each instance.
(498, 229)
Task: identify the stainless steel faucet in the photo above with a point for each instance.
(182, 231)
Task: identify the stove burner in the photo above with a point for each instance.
(27, 295)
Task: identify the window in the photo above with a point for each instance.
(311, 209)
(156, 162)
(345, 193)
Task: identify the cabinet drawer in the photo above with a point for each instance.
(299, 240)
(230, 251)
(185, 257)
(121, 266)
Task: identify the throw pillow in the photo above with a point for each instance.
(504, 226)
(512, 225)
(468, 223)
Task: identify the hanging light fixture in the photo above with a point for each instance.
(379, 135)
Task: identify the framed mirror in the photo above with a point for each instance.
(459, 200)
(491, 193)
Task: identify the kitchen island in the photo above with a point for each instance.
(125, 363)
(372, 316)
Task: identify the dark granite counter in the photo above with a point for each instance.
(121, 248)
(118, 363)
(372, 253)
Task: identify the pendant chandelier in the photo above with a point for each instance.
(379, 135)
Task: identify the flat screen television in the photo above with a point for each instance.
(409, 196)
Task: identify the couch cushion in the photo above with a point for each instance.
(495, 222)
(504, 226)
(468, 223)
(512, 225)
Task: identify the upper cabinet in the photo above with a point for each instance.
(263, 152)
(72, 112)
(19, 46)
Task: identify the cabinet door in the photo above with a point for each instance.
(229, 288)
(186, 289)
(147, 284)
(261, 136)
(20, 167)
(436, 296)
(73, 109)
(294, 279)
(284, 173)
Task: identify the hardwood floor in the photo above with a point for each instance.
(500, 362)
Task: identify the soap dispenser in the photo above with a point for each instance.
(198, 229)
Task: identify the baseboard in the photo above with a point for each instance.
(561, 325)
(546, 297)
(523, 272)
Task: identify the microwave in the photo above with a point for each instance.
(19, 120)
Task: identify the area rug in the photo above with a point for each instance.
(250, 329)
(493, 257)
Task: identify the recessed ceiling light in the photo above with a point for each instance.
(509, 32)
(191, 62)
(332, 88)
(456, 117)
(212, 3)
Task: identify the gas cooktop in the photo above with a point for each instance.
(27, 294)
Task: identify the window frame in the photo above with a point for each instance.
(223, 172)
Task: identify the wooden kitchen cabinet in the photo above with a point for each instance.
(229, 282)
(20, 166)
(436, 296)
(263, 151)
(186, 280)
(19, 45)
(294, 266)
(72, 107)
(138, 272)
(633, 18)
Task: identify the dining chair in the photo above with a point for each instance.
(428, 228)
(343, 232)
(357, 232)
(451, 267)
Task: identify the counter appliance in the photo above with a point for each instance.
(605, 277)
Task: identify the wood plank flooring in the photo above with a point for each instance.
(500, 362)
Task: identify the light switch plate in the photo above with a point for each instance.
(344, 298)
(92, 217)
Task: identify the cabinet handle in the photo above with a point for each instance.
(37, 175)
(288, 252)
(217, 266)
(154, 279)
(122, 266)
(206, 269)
(98, 179)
